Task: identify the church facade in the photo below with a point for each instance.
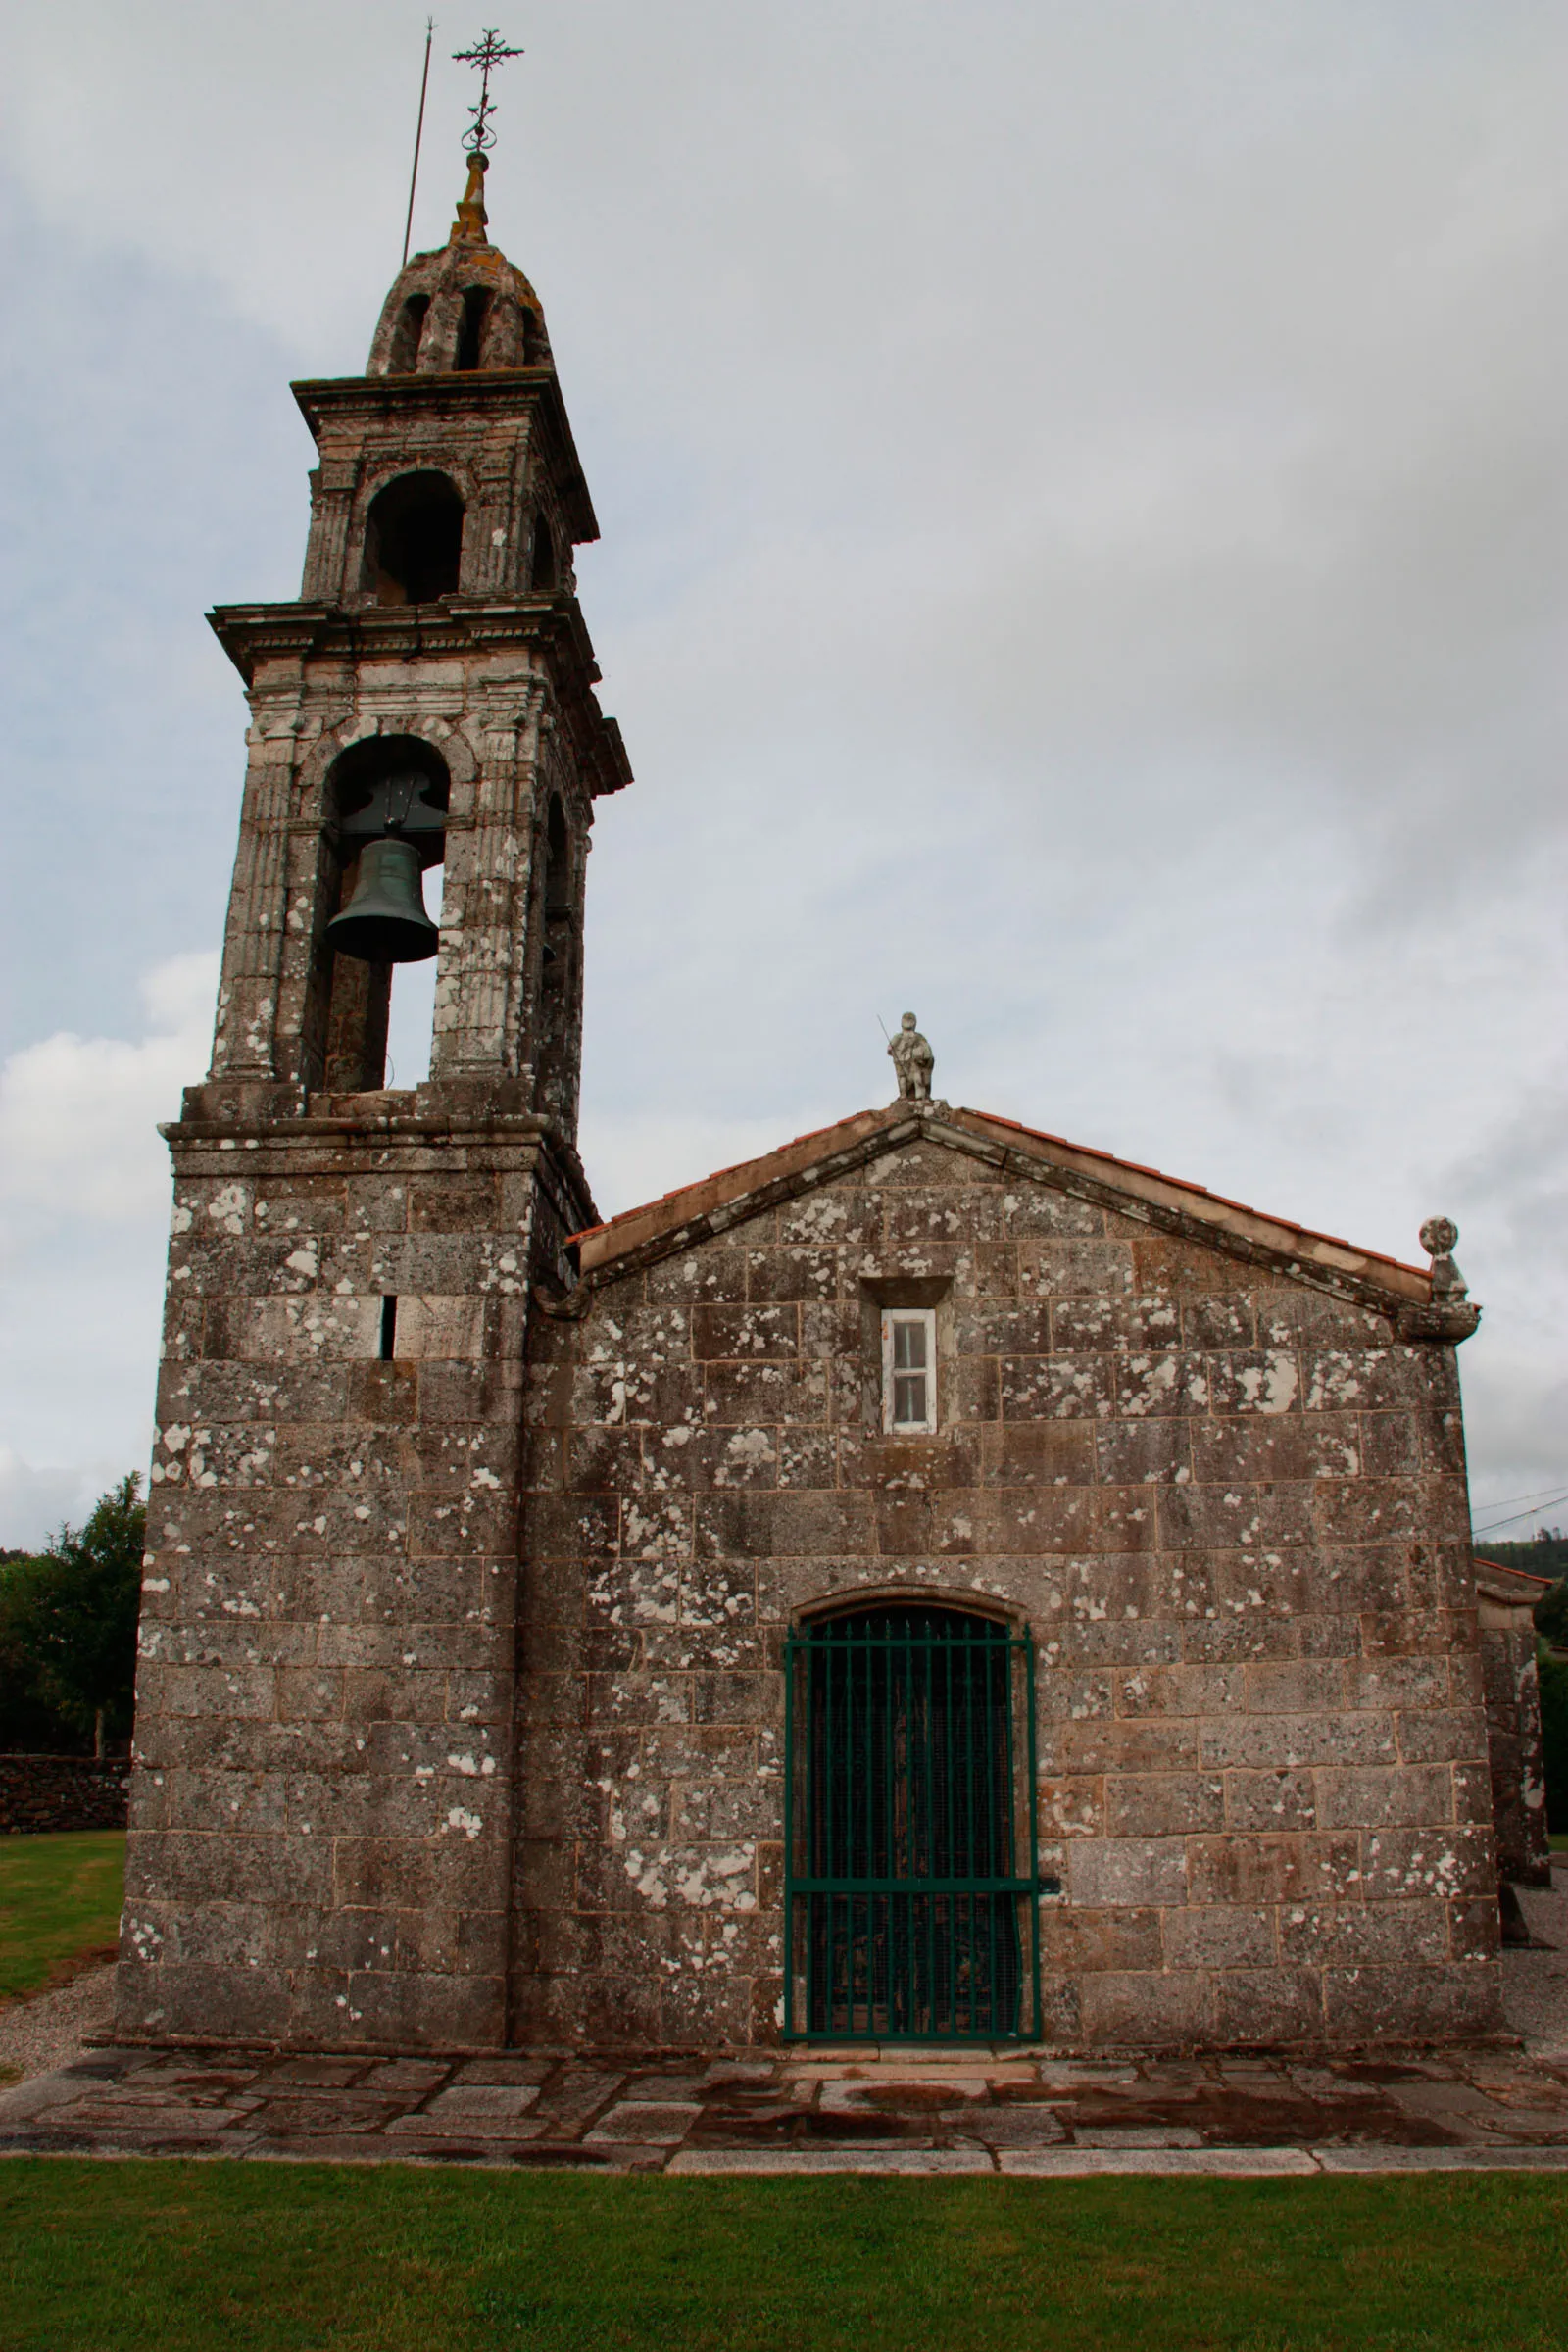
(932, 1583)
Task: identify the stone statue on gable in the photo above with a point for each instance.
(913, 1060)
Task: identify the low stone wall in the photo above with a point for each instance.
(63, 1792)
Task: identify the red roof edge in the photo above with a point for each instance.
(1506, 1568)
(724, 1185)
(1184, 1184)
(715, 1176)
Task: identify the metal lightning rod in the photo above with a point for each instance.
(419, 135)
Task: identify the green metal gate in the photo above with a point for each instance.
(910, 1888)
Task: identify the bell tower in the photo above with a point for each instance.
(437, 637)
(322, 1808)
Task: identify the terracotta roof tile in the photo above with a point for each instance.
(688, 1201)
(1184, 1184)
(1506, 1568)
(697, 1182)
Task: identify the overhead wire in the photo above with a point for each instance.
(1501, 1502)
(1514, 1518)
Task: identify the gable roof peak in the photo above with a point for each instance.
(1424, 1307)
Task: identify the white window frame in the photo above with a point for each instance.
(925, 1317)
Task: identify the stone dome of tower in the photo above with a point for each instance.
(462, 306)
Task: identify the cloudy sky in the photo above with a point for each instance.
(1083, 493)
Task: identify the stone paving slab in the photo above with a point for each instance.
(1022, 2128)
(1061, 2164)
(1498, 2159)
(1137, 2135)
(830, 2160)
(968, 2111)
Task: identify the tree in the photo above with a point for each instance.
(1550, 1613)
(67, 1629)
(27, 1722)
(1555, 1737)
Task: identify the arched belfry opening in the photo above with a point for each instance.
(414, 540)
(559, 969)
(388, 789)
(910, 1888)
(542, 555)
(404, 356)
(558, 863)
(475, 327)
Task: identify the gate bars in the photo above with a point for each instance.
(910, 1873)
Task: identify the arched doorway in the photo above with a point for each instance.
(911, 1883)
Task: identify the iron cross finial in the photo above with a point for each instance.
(487, 51)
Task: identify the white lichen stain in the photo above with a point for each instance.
(1270, 1388)
(1158, 1378)
(227, 1208)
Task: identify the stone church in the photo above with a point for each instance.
(934, 1582)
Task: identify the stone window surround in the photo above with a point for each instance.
(900, 1294)
(906, 1318)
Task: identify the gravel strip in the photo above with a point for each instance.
(48, 2031)
(1534, 1983)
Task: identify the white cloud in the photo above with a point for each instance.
(79, 1115)
(84, 1226)
(35, 1502)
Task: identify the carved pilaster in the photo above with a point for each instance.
(253, 933)
(484, 924)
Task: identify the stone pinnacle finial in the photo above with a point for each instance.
(470, 225)
(1438, 1238)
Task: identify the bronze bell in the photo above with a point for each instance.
(385, 922)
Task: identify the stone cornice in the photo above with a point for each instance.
(353, 1124)
(455, 627)
(356, 401)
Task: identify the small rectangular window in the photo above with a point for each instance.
(908, 1369)
(389, 1329)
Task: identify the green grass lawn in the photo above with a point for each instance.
(59, 1902)
(324, 2258)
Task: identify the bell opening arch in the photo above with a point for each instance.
(382, 788)
(413, 540)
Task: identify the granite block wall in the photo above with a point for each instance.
(322, 1809)
(1229, 1508)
